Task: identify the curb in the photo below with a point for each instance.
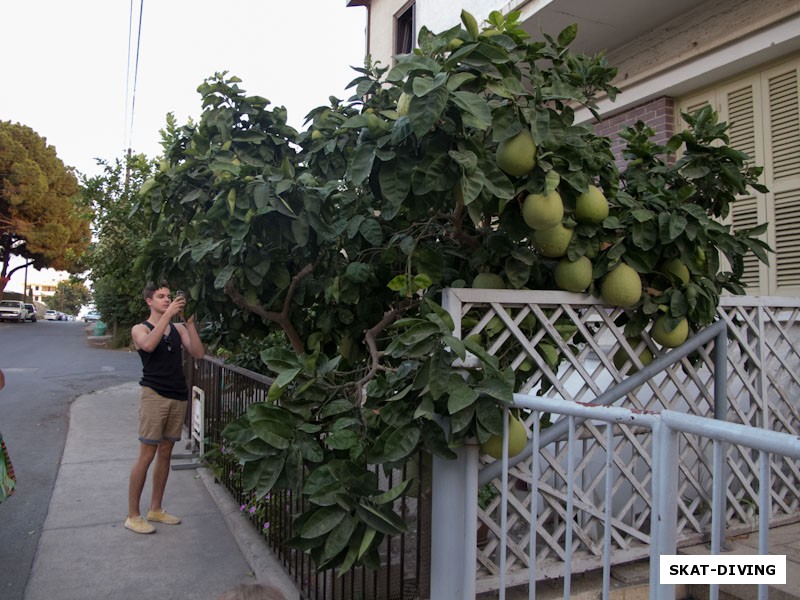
(264, 565)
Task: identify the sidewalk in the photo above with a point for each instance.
(85, 553)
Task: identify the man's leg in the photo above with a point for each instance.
(160, 474)
(138, 476)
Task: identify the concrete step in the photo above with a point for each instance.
(784, 540)
(631, 581)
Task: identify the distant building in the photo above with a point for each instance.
(42, 289)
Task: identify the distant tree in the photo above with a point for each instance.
(39, 219)
(118, 240)
(70, 296)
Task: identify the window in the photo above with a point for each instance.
(763, 111)
(404, 30)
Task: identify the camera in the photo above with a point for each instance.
(180, 294)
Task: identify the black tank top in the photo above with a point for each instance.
(162, 369)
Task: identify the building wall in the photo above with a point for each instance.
(436, 16)
(381, 29)
(716, 26)
(658, 113)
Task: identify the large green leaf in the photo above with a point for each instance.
(322, 521)
(461, 394)
(425, 111)
(382, 520)
(361, 163)
(475, 107)
(339, 537)
(261, 475)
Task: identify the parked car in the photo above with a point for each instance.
(31, 312)
(13, 310)
(91, 316)
(51, 315)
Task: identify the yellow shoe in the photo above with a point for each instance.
(161, 516)
(139, 525)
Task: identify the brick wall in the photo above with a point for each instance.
(658, 114)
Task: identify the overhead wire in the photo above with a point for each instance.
(130, 117)
(125, 141)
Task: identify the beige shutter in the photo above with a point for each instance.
(740, 107)
(737, 105)
(763, 111)
(782, 143)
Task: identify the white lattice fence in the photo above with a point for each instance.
(529, 330)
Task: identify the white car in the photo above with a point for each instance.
(51, 315)
(13, 310)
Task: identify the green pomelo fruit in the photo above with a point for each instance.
(591, 206)
(403, 104)
(621, 357)
(552, 242)
(488, 281)
(669, 339)
(677, 268)
(543, 212)
(573, 276)
(375, 124)
(517, 439)
(621, 287)
(517, 155)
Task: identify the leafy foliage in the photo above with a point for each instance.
(119, 240)
(70, 295)
(333, 244)
(39, 220)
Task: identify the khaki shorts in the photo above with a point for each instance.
(160, 418)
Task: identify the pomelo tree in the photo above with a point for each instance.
(332, 246)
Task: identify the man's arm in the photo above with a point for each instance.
(147, 339)
(191, 339)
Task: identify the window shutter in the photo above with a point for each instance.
(739, 108)
(744, 214)
(783, 149)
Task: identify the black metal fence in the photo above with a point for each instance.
(404, 573)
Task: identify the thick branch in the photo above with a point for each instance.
(370, 338)
(281, 318)
(17, 268)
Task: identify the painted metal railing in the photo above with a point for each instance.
(758, 386)
(666, 427)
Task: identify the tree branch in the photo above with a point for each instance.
(370, 338)
(17, 268)
(281, 318)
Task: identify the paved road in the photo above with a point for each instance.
(47, 365)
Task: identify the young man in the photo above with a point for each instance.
(164, 399)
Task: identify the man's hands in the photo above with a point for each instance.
(176, 307)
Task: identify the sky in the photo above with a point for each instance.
(68, 68)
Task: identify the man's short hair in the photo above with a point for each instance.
(151, 288)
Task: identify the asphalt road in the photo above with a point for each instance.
(47, 365)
